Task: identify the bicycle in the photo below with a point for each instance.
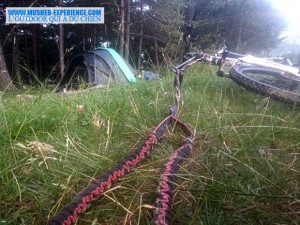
(277, 80)
(273, 77)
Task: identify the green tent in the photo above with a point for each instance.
(101, 66)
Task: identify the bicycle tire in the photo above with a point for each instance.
(267, 82)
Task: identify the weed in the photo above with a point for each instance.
(244, 167)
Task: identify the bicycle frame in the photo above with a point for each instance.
(227, 58)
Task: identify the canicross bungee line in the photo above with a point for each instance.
(162, 213)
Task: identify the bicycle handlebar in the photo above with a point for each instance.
(193, 58)
(230, 59)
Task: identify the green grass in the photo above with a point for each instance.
(244, 169)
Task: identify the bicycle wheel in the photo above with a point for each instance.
(267, 82)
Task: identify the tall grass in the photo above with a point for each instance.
(244, 169)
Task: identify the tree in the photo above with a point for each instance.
(141, 35)
(127, 30)
(16, 73)
(245, 25)
(35, 49)
(61, 46)
(122, 28)
(239, 47)
(5, 79)
(157, 27)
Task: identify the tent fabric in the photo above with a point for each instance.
(123, 64)
(100, 66)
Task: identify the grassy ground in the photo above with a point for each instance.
(245, 167)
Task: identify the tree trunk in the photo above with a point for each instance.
(122, 29)
(141, 37)
(6, 83)
(240, 28)
(61, 50)
(188, 24)
(40, 59)
(127, 37)
(16, 59)
(5, 80)
(189, 11)
(35, 47)
(61, 46)
(94, 38)
(93, 35)
(27, 51)
(156, 54)
(83, 38)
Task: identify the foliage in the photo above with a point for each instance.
(245, 25)
(256, 22)
(166, 18)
